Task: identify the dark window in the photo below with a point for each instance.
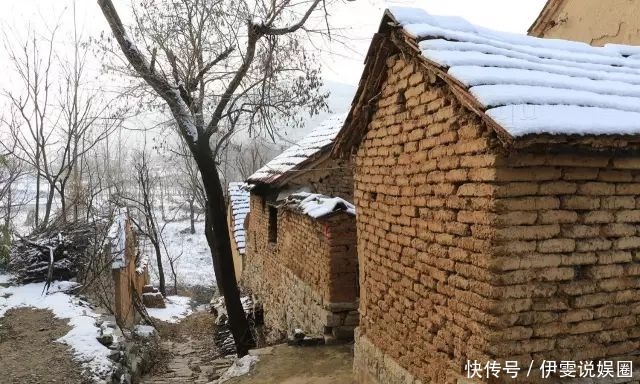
(273, 224)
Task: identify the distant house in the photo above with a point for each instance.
(301, 257)
(237, 213)
(594, 22)
(496, 189)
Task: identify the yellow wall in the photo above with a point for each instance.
(596, 22)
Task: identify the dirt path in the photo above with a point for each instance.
(29, 353)
(188, 352)
(302, 365)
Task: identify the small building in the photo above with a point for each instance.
(594, 22)
(301, 258)
(238, 209)
(496, 183)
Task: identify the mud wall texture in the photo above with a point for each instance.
(467, 252)
(307, 276)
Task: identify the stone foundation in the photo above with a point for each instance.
(372, 366)
(301, 307)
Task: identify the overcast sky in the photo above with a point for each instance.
(357, 19)
(353, 24)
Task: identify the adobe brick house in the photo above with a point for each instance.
(591, 21)
(237, 211)
(496, 186)
(301, 257)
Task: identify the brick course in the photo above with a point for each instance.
(467, 252)
(308, 279)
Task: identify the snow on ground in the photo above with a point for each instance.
(82, 337)
(194, 265)
(178, 307)
(5, 278)
(240, 367)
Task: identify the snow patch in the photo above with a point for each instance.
(193, 262)
(82, 337)
(5, 278)
(312, 144)
(531, 85)
(177, 308)
(117, 238)
(317, 205)
(144, 330)
(239, 367)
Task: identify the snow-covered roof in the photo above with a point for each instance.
(117, 240)
(239, 203)
(529, 85)
(295, 157)
(317, 205)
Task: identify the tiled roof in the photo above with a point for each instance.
(239, 201)
(295, 157)
(529, 85)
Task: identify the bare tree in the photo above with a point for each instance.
(51, 137)
(11, 170)
(223, 65)
(33, 65)
(143, 203)
(250, 157)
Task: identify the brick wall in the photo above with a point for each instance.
(331, 177)
(308, 279)
(566, 284)
(467, 253)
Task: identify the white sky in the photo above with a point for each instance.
(354, 22)
(357, 19)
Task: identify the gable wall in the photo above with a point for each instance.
(417, 198)
(467, 252)
(331, 177)
(596, 22)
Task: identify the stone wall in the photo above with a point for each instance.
(467, 253)
(308, 278)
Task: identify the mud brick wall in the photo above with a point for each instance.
(467, 253)
(331, 177)
(566, 256)
(308, 279)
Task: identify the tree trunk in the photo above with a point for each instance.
(7, 219)
(162, 287)
(192, 216)
(217, 232)
(208, 232)
(37, 216)
(47, 210)
(63, 202)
